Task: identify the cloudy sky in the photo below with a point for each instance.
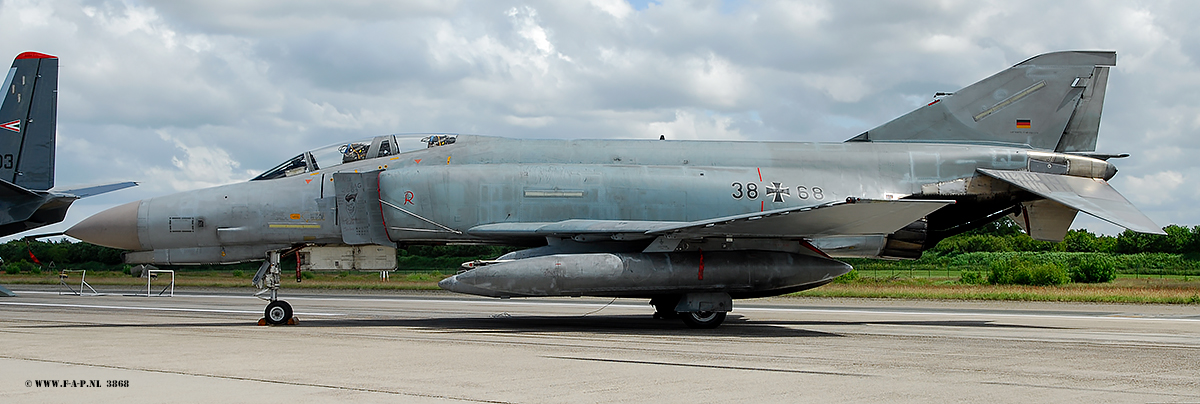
(181, 95)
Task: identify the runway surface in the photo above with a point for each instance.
(204, 346)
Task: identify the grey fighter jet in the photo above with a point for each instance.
(690, 225)
(27, 130)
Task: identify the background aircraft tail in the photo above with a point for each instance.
(27, 121)
(1052, 102)
(27, 136)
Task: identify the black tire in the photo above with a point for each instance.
(703, 319)
(278, 312)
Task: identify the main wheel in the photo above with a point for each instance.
(278, 312)
(703, 319)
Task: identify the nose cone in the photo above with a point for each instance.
(116, 228)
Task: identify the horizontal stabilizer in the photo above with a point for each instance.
(10, 190)
(1093, 196)
(84, 192)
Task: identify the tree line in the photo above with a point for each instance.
(1005, 236)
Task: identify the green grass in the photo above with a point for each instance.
(1127, 289)
(915, 282)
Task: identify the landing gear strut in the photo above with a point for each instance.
(278, 312)
(699, 308)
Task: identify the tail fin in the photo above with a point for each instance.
(27, 121)
(1049, 102)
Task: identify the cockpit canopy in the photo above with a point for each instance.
(334, 155)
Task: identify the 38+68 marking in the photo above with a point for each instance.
(750, 191)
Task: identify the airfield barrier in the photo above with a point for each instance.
(62, 280)
(150, 275)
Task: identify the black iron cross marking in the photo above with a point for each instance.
(778, 190)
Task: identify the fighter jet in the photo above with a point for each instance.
(27, 134)
(689, 225)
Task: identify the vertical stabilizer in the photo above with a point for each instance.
(1049, 102)
(27, 121)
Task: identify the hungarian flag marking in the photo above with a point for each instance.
(14, 126)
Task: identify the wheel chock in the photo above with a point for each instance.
(291, 321)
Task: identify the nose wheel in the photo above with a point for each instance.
(278, 312)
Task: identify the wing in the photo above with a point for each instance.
(853, 217)
(850, 217)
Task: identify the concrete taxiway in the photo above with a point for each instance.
(204, 346)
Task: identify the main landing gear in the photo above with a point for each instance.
(278, 312)
(704, 319)
(697, 310)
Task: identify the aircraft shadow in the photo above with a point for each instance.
(735, 325)
(941, 323)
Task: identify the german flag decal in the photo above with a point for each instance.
(1022, 124)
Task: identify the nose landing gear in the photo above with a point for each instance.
(278, 312)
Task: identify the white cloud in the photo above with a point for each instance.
(716, 79)
(617, 8)
(33, 14)
(1154, 189)
(531, 122)
(199, 167)
(840, 88)
(690, 126)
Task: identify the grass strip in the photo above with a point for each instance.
(1161, 290)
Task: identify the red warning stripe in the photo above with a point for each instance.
(35, 55)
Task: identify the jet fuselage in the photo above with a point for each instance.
(437, 194)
